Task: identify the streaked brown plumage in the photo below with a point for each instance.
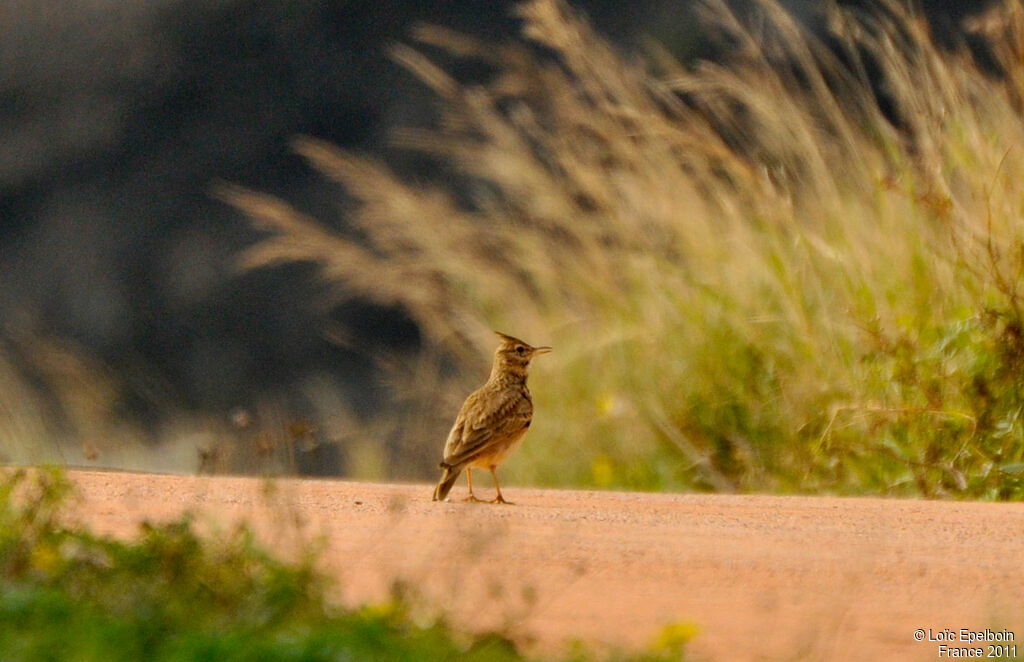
(493, 420)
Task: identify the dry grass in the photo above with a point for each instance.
(57, 404)
(754, 276)
(61, 406)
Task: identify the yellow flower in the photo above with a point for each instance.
(606, 404)
(674, 636)
(603, 471)
(45, 557)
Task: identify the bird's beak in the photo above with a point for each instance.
(541, 350)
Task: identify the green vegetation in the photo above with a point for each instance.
(66, 594)
(798, 270)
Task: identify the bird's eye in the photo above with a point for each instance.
(520, 350)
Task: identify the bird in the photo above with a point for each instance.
(493, 419)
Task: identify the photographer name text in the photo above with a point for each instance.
(985, 643)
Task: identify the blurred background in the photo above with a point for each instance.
(134, 334)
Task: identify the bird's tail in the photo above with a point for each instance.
(448, 478)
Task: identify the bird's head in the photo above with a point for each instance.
(514, 356)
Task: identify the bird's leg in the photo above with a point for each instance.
(499, 498)
(471, 497)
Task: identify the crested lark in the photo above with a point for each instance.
(493, 420)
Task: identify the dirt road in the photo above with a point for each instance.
(761, 578)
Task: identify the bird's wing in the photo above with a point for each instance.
(486, 418)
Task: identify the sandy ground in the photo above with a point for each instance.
(761, 577)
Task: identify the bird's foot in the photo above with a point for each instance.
(501, 499)
(472, 499)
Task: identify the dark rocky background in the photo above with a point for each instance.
(116, 119)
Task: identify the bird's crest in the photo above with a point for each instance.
(511, 340)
